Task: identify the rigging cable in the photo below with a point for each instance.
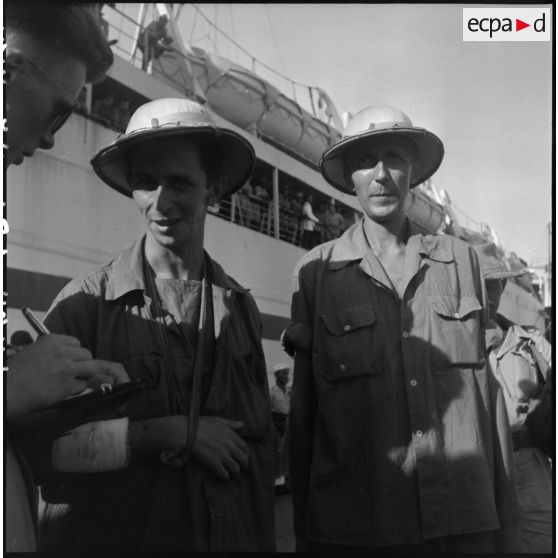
(193, 27)
(233, 31)
(274, 38)
(239, 47)
(252, 57)
(470, 219)
(216, 27)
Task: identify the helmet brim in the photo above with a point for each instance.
(112, 162)
(499, 274)
(430, 152)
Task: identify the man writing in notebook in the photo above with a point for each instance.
(51, 51)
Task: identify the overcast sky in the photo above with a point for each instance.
(491, 103)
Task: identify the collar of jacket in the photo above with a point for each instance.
(125, 273)
(514, 336)
(352, 246)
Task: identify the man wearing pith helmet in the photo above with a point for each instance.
(191, 466)
(397, 429)
(521, 359)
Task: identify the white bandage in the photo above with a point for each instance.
(92, 448)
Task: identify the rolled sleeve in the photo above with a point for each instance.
(298, 335)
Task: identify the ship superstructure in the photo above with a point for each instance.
(73, 223)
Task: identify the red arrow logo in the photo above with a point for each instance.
(519, 25)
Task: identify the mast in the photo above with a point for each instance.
(141, 21)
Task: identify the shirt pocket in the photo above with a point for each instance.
(350, 345)
(148, 367)
(456, 339)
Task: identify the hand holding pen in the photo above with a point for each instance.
(53, 368)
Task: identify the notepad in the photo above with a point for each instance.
(53, 421)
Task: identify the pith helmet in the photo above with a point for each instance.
(180, 119)
(381, 122)
(492, 266)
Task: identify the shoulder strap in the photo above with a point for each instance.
(195, 397)
(542, 365)
(195, 401)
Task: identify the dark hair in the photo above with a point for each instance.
(69, 29)
(212, 155)
(378, 141)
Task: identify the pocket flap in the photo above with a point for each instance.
(144, 367)
(454, 307)
(348, 319)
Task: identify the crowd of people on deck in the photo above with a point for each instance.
(299, 222)
(419, 418)
(111, 112)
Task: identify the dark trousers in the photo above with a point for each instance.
(472, 543)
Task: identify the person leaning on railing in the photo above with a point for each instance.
(310, 236)
(154, 41)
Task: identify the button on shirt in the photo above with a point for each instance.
(405, 440)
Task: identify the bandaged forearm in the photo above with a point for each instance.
(92, 448)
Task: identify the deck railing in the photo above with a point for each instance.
(126, 21)
(257, 215)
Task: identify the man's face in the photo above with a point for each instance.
(282, 377)
(40, 91)
(171, 190)
(494, 290)
(381, 174)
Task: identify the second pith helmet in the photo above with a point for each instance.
(375, 123)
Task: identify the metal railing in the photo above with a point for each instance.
(124, 28)
(257, 214)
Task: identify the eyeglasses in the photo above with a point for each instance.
(71, 103)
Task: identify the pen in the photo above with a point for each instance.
(35, 323)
